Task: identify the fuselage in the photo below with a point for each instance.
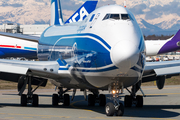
(107, 46)
(13, 46)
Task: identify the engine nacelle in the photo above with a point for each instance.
(160, 80)
(21, 82)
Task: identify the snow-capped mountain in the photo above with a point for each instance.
(153, 16)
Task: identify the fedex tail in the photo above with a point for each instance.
(156, 47)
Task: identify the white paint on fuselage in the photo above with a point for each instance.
(154, 46)
(12, 41)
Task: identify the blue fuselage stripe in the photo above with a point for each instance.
(29, 48)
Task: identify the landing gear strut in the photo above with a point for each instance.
(61, 98)
(96, 98)
(133, 99)
(116, 107)
(30, 97)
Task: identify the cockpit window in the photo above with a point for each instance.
(115, 16)
(118, 17)
(125, 17)
(112, 16)
(106, 17)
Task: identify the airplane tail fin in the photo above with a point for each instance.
(56, 13)
(83, 11)
(171, 45)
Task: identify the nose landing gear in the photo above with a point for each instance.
(116, 107)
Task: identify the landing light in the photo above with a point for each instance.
(115, 91)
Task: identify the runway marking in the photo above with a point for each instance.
(9, 98)
(164, 94)
(33, 115)
(9, 118)
(72, 105)
(107, 118)
(82, 117)
(163, 88)
(46, 117)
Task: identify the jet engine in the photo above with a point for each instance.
(160, 80)
(21, 82)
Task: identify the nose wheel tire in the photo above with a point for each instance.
(109, 109)
(120, 111)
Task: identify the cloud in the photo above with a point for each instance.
(105, 2)
(12, 5)
(70, 5)
(157, 11)
(138, 9)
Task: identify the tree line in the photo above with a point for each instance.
(155, 37)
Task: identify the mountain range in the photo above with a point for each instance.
(154, 16)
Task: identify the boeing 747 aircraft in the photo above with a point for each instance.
(105, 51)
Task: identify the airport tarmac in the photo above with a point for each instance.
(158, 105)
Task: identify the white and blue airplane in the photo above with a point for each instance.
(17, 45)
(105, 51)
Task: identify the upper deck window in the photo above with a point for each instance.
(92, 17)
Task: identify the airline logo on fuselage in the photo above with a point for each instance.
(79, 16)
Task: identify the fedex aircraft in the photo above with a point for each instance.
(105, 51)
(155, 47)
(17, 45)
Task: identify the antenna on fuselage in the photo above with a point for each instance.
(125, 3)
(56, 13)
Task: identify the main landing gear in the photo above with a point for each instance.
(96, 98)
(134, 99)
(30, 97)
(61, 98)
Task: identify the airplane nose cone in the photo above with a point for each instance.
(124, 55)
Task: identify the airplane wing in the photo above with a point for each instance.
(20, 36)
(158, 69)
(41, 71)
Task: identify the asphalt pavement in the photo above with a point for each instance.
(158, 105)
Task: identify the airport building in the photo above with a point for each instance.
(23, 29)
